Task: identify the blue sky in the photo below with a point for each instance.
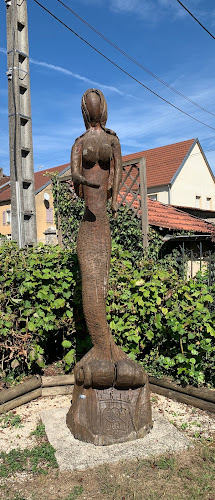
(158, 33)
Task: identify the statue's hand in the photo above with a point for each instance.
(114, 208)
(80, 179)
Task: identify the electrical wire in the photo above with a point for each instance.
(185, 8)
(121, 69)
(135, 61)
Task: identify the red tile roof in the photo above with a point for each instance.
(4, 180)
(5, 195)
(167, 216)
(40, 179)
(162, 163)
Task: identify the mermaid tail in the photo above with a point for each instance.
(94, 250)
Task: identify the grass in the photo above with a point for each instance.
(17, 497)
(36, 460)
(187, 475)
(77, 491)
(39, 431)
(10, 420)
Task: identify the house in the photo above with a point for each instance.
(44, 202)
(177, 174)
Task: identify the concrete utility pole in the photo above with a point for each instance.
(23, 208)
(144, 205)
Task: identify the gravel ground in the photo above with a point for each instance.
(194, 423)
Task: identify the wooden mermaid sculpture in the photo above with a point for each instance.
(96, 165)
(111, 397)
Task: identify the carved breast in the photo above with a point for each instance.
(96, 151)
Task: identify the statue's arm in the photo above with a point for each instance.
(76, 156)
(117, 156)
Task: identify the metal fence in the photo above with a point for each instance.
(192, 253)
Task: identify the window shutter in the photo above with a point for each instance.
(49, 215)
(4, 218)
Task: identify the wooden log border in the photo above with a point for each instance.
(63, 384)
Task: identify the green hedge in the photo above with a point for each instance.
(36, 305)
(158, 319)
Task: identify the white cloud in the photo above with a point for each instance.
(67, 72)
(82, 78)
(153, 10)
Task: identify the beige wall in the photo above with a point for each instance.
(6, 230)
(161, 191)
(194, 180)
(42, 225)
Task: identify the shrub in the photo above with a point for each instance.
(36, 305)
(163, 322)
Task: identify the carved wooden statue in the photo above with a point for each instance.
(111, 396)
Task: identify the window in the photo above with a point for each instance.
(198, 201)
(8, 217)
(49, 214)
(153, 197)
(208, 206)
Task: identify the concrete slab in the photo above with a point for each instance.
(72, 454)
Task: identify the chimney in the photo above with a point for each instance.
(1, 173)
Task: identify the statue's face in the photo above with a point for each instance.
(93, 105)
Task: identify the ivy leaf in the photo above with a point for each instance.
(191, 335)
(139, 282)
(66, 343)
(164, 310)
(149, 335)
(58, 303)
(69, 358)
(31, 326)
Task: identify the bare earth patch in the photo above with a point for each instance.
(189, 475)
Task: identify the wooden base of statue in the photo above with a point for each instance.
(109, 415)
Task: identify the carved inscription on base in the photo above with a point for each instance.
(114, 414)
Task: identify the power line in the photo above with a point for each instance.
(134, 60)
(121, 69)
(185, 8)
